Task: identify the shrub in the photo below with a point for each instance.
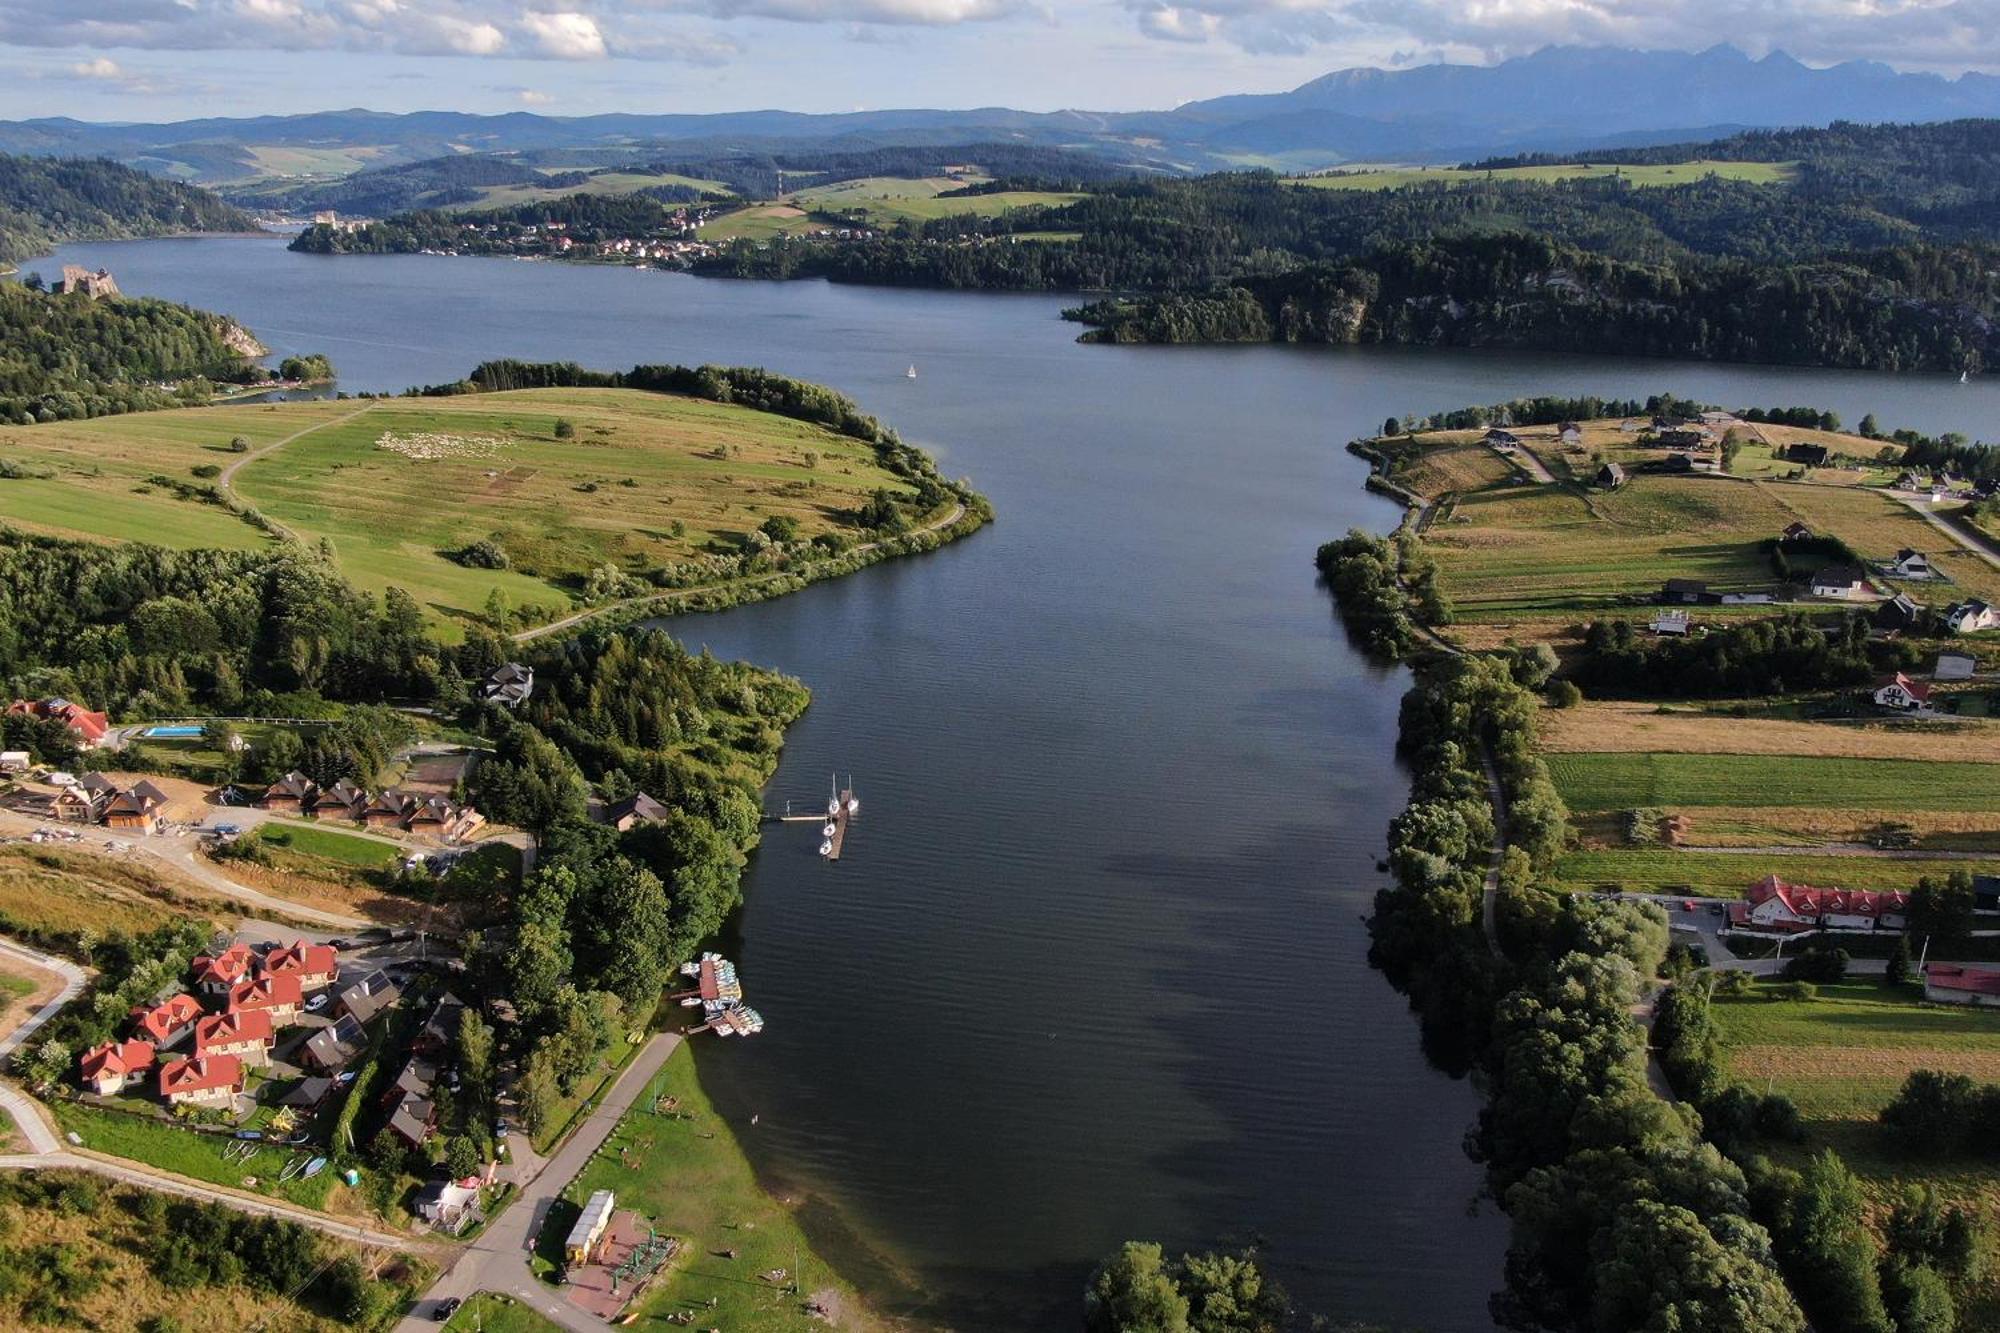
(1565, 694)
(207, 470)
(565, 429)
(239, 445)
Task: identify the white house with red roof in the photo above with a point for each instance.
(165, 1023)
(1955, 983)
(316, 966)
(214, 974)
(1774, 904)
(247, 1034)
(1902, 693)
(279, 996)
(88, 727)
(115, 1065)
(202, 1080)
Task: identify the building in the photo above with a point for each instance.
(369, 997)
(16, 761)
(637, 808)
(291, 794)
(1840, 581)
(246, 1034)
(1696, 438)
(333, 1048)
(1570, 435)
(316, 966)
(1900, 692)
(115, 1065)
(1812, 455)
(1670, 624)
(589, 1228)
(1796, 531)
(447, 1203)
(1911, 564)
(82, 281)
(214, 1081)
(1611, 476)
(343, 800)
(134, 807)
(1773, 903)
(1986, 893)
(1954, 983)
(388, 810)
(1955, 666)
(214, 974)
(89, 728)
(1506, 441)
(1899, 615)
(1971, 616)
(508, 685)
(413, 1118)
(1684, 592)
(308, 1094)
(166, 1023)
(280, 997)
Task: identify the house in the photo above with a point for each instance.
(589, 1228)
(1898, 615)
(1672, 624)
(1986, 893)
(343, 800)
(1969, 617)
(446, 1203)
(280, 997)
(413, 1118)
(89, 728)
(1570, 435)
(115, 1065)
(215, 973)
(432, 815)
(1954, 983)
(16, 761)
(316, 966)
(333, 1048)
(1773, 903)
(1717, 420)
(1841, 581)
(419, 1072)
(165, 1023)
(637, 808)
(1506, 441)
(308, 1094)
(388, 810)
(1911, 564)
(195, 1080)
(246, 1034)
(1954, 666)
(67, 805)
(1910, 481)
(1611, 476)
(1683, 439)
(440, 1030)
(510, 684)
(1795, 531)
(1812, 455)
(1900, 692)
(134, 807)
(369, 997)
(292, 794)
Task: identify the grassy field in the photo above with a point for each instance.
(309, 841)
(1597, 782)
(184, 1152)
(1730, 875)
(648, 481)
(1461, 469)
(756, 222)
(1616, 726)
(684, 1172)
(887, 200)
(1877, 526)
(52, 890)
(608, 183)
(487, 1312)
(1675, 173)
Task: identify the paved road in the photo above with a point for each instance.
(498, 1259)
(72, 978)
(557, 626)
(1949, 530)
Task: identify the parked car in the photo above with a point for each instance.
(446, 1309)
(317, 1003)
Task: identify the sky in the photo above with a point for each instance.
(171, 59)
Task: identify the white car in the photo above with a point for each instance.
(315, 1004)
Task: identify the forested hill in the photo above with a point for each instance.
(64, 357)
(46, 201)
(1915, 308)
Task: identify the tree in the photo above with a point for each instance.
(462, 1157)
(239, 444)
(1134, 1293)
(1899, 962)
(1828, 1252)
(780, 528)
(1932, 1114)
(535, 967)
(1392, 426)
(1229, 1293)
(1870, 427)
(538, 1091)
(1666, 1270)
(1942, 909)
(1565, 694)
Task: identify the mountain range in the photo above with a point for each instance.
(1558, 99)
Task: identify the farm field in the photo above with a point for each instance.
(1730, 875)
(757, 222)
(1877, 526)
(1617, 726)
(1650, 174)
(1598, 782)
(887, 200)
(689, 1178)
(648, 481)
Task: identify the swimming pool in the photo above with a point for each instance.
(169, 733)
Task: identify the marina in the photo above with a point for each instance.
(842, 808)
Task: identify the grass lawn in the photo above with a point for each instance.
(563, 1119)
(1599, 782)
(311, 842)
(1649, 174)
(184, 1152)
(1621, 725)
(685, 1173)
(487, 1312)
(649, 482)
(1728, 875)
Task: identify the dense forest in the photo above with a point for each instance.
(65, 357)
(46, 201)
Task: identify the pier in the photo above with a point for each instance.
(840, 812)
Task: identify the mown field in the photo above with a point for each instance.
(648, 481)
(757, 222)
(1877, 525)
(1648, 174)
(1598, 782)
(487, 1312)
(1615, 726)
(1730, 874)
(887, 200)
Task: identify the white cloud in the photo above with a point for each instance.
(100, 68)
(564, 36)
(533, 97)
(929, 13)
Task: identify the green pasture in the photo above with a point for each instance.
(1599, 782)
(1730, 875)
(1675, 173)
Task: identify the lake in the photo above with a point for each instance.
(1093, 965)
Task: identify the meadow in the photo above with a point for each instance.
(605, 183)
(1599, 782)
(1730, 874)
(887, 200)
(647, 481)
(1877, 525)
(1615, 726)
(1649, 174)
(52, 891)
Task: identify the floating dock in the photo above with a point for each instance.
(841, 811)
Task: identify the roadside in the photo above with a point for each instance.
(1964, 539)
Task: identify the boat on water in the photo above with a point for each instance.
(910, 374)
(826, 848)
(829, 830)
(740, 1021)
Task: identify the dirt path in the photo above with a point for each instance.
(557, 626)
(224, 482)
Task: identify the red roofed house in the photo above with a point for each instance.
(1899, 691)
(1774, 903)
(109, 1068)
(214, 974)
(279, 997)
(167, 1022)
(87, 726)
(246, 1034)
(202, 1080)
(317, 966)
(1953, 983)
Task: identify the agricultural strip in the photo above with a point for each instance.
(1598, 782)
